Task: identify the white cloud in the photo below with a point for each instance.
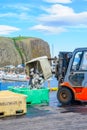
(59, 18)
(58, 1)
(59, 15)
(8, 15)
(20, 16)
(18, 6)
(24, 16)
(58, 9)
(19, 11)
(4, 29)
(21, 7)
(48, 29)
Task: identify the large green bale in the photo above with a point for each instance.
(34, 96)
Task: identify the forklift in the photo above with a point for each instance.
(71, 73)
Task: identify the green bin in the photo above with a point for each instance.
(34, 96)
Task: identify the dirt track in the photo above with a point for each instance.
(51, 117)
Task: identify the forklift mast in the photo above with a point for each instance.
(62, 65)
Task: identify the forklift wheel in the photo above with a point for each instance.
(64, 96)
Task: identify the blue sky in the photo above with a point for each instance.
(61, 23)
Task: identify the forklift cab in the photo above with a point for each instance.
(77, 70)
(74, 85)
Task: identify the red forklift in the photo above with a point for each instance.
(71, 73)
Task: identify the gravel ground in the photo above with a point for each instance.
(49, 117)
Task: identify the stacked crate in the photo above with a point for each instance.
(12, 104)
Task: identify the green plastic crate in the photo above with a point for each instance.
(34, 96)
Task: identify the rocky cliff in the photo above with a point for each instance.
(14, 51)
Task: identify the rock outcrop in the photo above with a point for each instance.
(14, 51)
(8, 53)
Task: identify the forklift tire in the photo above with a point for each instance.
(64, 96)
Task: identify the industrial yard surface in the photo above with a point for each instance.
(49, 117)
